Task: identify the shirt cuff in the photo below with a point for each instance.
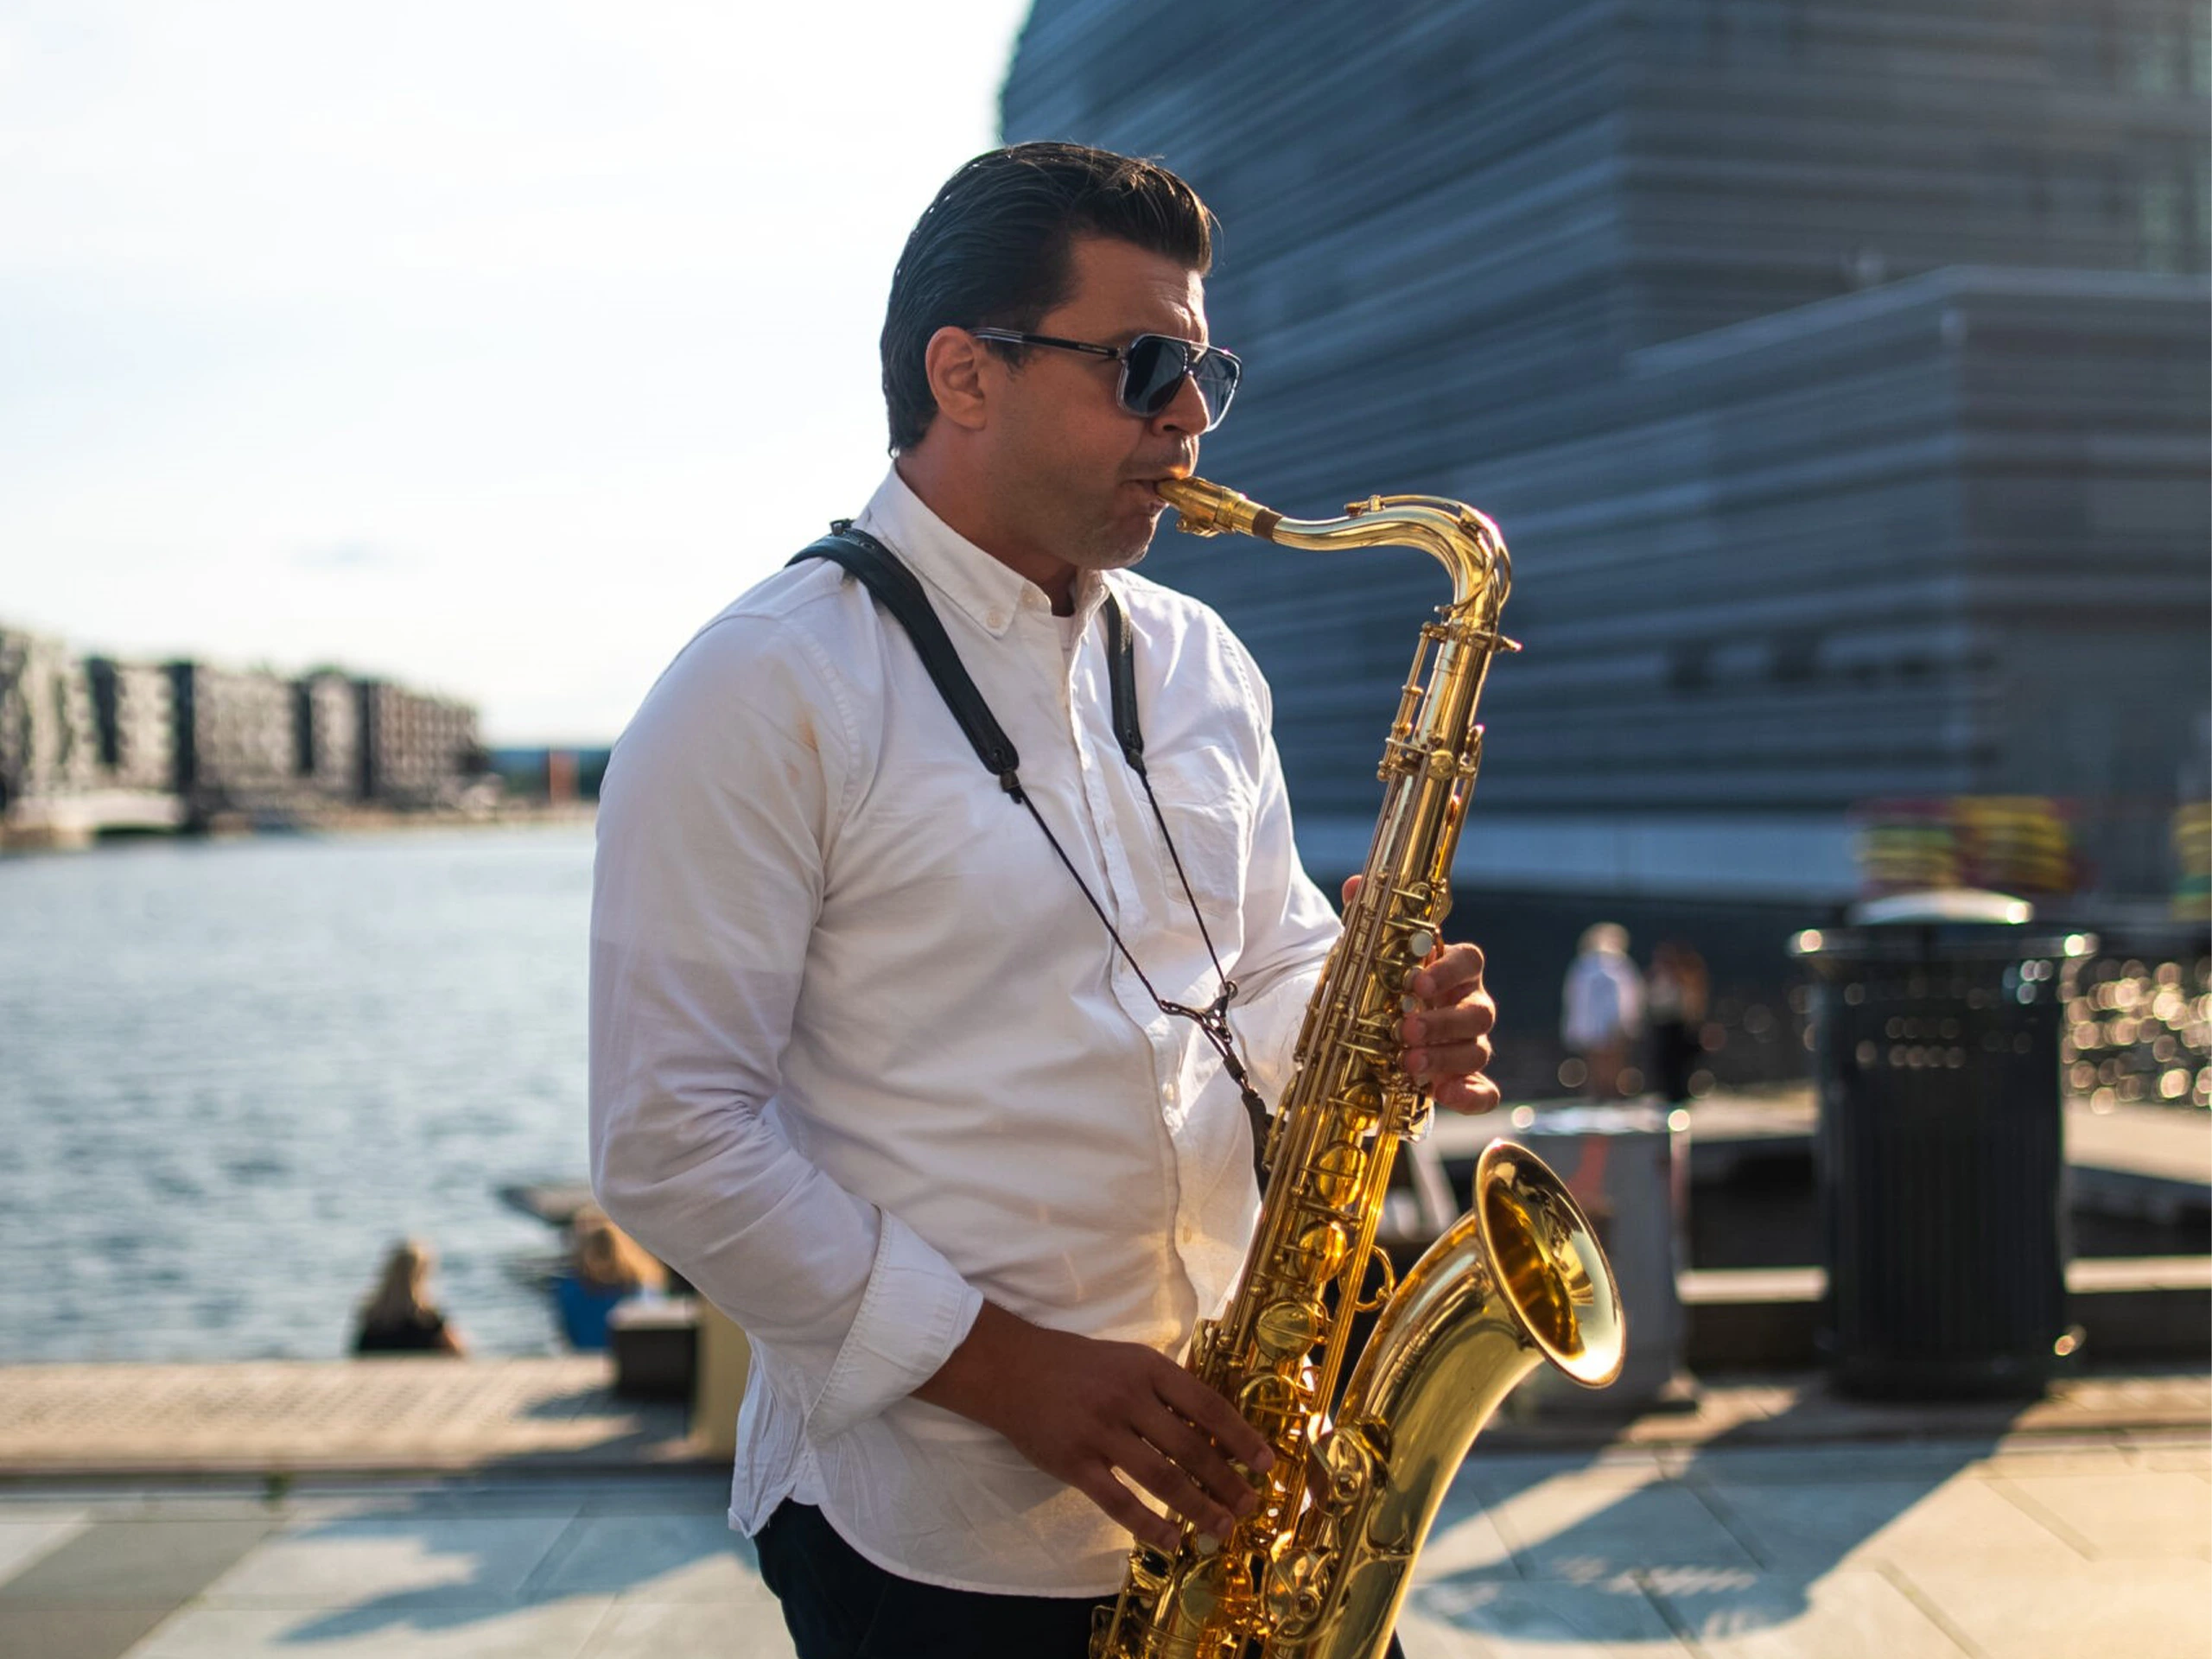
(917, 1309)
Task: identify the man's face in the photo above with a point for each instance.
(1072, 468)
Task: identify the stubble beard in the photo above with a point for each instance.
(1111, 550)
(1109, 542)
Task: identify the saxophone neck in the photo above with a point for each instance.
(1464, 541)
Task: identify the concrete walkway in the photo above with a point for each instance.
(257, 1416)
(1996, 1548)
(505, 1417)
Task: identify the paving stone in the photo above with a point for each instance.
(1828, 1465)
(1588, 1530)
(22, 1542)
(2034, 1455)
(553, 1630)
(549, 1499)
(61, 1505)
(416, 1562)
(2176, 1456)
(73, 1632)
(1462, 1618)
(117, 1564)
(687, 1495)
(186, 1507)
(663, 1629)
(2112, 1610)
(1809, 1529)
(1464, 1540)
(1491, 1479)
(1833, 1616)
(686, 1557)
(2133, 1516)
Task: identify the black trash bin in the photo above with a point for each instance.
(1936, 1022)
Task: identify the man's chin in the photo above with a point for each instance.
(1135, 547)
(1128, 541)
(1122, 554)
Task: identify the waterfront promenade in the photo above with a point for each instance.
(421, 1510)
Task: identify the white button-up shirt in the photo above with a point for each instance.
(862, 1054)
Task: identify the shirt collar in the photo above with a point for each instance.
(989, 593)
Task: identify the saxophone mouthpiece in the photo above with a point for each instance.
(1204, 509)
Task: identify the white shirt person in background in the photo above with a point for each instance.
(1601, 1011)
(867, 1067)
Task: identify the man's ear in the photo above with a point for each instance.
(956, 366)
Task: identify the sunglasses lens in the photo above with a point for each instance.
(1156, 366)
(1216, 379)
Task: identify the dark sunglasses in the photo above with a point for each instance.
(1154, 367)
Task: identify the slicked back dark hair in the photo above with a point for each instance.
(993, 252)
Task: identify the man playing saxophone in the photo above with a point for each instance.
(934, 1095)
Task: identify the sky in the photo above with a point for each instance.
(490, 345)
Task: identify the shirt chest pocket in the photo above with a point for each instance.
(1207, 805)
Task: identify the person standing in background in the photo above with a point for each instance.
(1602, 1009)
(1674, 1004)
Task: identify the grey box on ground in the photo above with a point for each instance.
(1626, 1166)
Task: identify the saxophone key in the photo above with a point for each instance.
(1336, 1170)
(1318, 1252)
(1287, 1327)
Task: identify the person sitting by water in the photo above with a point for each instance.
(606, 1266)
(400, 1318)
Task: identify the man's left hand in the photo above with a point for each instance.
(1447, 1038)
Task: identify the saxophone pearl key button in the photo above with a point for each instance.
(1409, 1003)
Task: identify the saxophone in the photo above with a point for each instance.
(1319, 1570)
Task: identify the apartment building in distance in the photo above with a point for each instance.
(90, 743)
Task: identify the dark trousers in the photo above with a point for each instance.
(839, 1604)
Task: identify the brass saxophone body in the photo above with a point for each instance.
(1319, 1570)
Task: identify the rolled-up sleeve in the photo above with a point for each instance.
(716, 817)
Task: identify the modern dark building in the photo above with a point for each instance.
(1837, 370)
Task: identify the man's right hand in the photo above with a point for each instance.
(1081, 1409)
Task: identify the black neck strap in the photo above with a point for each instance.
(1122, 676)
(899, 592)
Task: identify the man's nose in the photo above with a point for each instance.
(1185, 410)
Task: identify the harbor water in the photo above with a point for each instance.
(233, 1073)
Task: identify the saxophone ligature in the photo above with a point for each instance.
(1320, 1569)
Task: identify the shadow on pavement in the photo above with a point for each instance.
(448, 1558)
(1674, 1546)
